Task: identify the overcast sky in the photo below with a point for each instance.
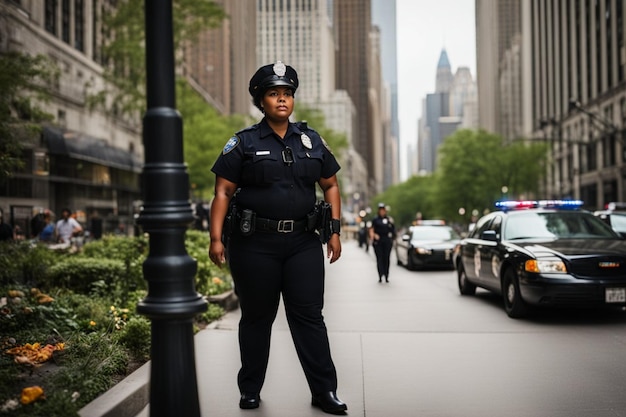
(424, 28)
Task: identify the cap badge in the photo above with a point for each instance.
(306, 141)
(279, 69)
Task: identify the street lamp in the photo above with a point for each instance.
(172, 301)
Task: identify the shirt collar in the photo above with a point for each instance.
(266, 130)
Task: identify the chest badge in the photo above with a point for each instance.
(306, 141)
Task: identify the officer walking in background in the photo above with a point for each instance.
(382, 234)
(273, 167)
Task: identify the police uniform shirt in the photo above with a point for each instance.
(257, 160)
(383, 227)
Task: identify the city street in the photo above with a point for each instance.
(415, 347)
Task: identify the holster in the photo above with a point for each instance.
(230, 220)
(321, 216)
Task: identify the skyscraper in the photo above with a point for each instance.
(353, 24)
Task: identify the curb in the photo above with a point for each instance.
(131, 396)
(125, 399)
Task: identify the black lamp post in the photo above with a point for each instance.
(172, 301)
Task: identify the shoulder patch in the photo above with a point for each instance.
(230, 145)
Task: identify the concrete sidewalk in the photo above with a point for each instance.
(413, 347)
(285, 392)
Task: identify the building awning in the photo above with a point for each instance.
(87, 148)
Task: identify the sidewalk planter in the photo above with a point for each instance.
(227, 300)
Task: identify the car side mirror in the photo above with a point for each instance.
(489, 235)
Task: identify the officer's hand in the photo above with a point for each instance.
(333, 248)
(216, 253)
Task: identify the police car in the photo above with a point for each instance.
(543, 253)
(429, 244)
(614, 214)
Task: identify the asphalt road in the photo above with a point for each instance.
(415, 347)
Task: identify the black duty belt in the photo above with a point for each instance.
(280, 226)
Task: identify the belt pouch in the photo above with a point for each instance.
(246, 224)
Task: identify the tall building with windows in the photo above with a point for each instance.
(561, 61)
(384, 17)
(219, 63)
(85, 160)
(353, 25)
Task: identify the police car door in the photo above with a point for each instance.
(471, 250)
(490, 256)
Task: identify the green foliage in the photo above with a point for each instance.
(24, 263)
(315, 119)
(125, 49)
(96, 361)
(210, 280)
(204, 132)
(100, 327)
(135, 336)
(80, 273)
(131, 251)
(24, 80)
(407, 199)
(473, 167)
(214, 312)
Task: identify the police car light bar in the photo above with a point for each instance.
(526, 204)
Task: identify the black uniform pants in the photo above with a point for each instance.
(382, 249)
(263, 266)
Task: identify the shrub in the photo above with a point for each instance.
(135, 336)
(80, 273)
(24, 263)
(197, 245)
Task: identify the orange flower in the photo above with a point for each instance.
(30, 394)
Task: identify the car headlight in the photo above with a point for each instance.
(545, 266)
(423, 251)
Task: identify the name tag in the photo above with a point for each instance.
(262, 152)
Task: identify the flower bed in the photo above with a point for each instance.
(68, 326)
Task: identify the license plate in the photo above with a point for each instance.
(615, 295)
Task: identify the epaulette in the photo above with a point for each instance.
(303, 126)
(246, 129)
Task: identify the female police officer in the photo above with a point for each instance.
(274, 166)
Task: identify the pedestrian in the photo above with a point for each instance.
(47, 233)
(67, 227)
(6, 231)
(274, 166)
(382, 234)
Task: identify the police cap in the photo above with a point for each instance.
(382, 205)
(273, 75)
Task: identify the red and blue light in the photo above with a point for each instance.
(528, 204)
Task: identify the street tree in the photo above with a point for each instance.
(124, 51)
(476, 168)
(205, 133)
(407, 199)
(25, 83)
(315, 119)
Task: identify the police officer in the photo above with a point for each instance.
(382, 234)
(274, 167)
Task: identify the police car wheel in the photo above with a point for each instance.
(465, 287)
(514, 306)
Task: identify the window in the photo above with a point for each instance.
(65, 21)
(50, 18)
(79, 25)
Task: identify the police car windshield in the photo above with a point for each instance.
(559, 224)
(438, 233)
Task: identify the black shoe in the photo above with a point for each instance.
(249, 401)
(329, 403)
